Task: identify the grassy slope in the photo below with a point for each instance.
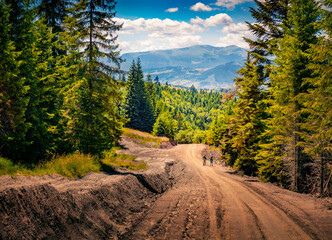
(77, 165)
(143, 138)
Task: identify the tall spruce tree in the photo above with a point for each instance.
(97, 121)
(270, 16)
(43, 93)
(249, 110)
(54, 13)
(246, 128)
(288, 81)
(316, 131)
(13, 100)
(138, 106)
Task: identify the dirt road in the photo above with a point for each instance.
(175, 198)
(214, 203)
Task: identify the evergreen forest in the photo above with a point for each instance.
(58, 93)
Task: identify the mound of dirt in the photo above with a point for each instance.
(167, 144)
(98, 206)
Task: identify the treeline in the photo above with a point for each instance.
(56, 95)
(281, 125)
(183, 115)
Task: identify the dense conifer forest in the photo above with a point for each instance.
(58, 94)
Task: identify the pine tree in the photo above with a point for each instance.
(270, 16)
(138, 105)
(249, 114)
(43, 93)
(97, 121)
(151, 91)
(316, 131)
(54, 13)
(13, 100)
(288, 80)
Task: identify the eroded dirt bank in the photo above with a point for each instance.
(176, 198)
(98, 206)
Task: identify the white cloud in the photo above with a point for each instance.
(236, 28)
(154, 34)
(157, 41)
(230, 3)
(172, 10)
(201, 7)
(220, 19)
(166, 26)
(234, 35)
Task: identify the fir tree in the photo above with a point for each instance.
(270, 16)
(151, 91)
(288, 80)
(138, 105)
(249, 113)
(54, 12)
(316, 131)
(97, 121)
(13, 100)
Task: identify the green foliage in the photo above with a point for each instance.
(95, 122)
(138, 105)
(56, 93)
(249, 113)
(71, 165)
(288, 83)
(165, 126)
(13, 100)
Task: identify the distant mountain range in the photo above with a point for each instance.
(203, 66)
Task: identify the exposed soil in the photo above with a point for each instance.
(175, 198)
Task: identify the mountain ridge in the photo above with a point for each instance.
(203, 66)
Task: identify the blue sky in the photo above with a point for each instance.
(164, 24)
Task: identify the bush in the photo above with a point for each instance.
(184, 136)
(199, 136)
(165, 126)
(8, 167)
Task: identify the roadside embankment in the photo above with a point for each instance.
(97, 206)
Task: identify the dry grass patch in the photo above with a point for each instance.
(143, 138)
(123, 161)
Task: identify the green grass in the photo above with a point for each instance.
(143, 138)
(73, 165)
(123, 161)
(7, 167)
(70, 165)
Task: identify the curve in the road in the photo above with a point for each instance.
(248, 215)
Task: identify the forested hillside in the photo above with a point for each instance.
(183, 115)
(56, 95)
(281, 126)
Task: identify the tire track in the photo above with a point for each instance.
(214, 231)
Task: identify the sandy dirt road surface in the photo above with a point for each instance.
(175, 198)
(214, 203)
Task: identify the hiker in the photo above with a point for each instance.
(211, 161)
(204, 160)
